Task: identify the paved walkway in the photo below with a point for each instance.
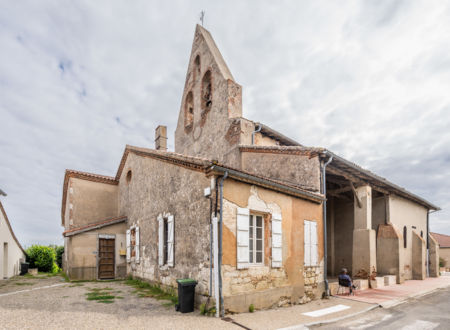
(394, 294)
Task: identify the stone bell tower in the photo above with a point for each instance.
(211, 102)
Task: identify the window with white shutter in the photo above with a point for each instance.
(242, 240)
(128, 246)
(136, 246)
(160, 240)
(166, 241)
(170, 240)
(277, 241)
(256, 240)
(311, 243)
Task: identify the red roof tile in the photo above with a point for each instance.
(443, 240)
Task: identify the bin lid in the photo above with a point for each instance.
(187, 281)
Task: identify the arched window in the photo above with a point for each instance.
(129, 175)
(189, 112)
(405, 232)
(206, 96)
(197, 68)
(421, 233)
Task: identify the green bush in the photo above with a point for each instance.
(59, 250)
(442, 262)
(43, 258)
(251, 308)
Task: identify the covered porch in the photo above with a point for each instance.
(362, 235)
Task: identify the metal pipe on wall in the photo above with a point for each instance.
(222, 309)
(325, 252)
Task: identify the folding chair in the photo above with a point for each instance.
(343, 283)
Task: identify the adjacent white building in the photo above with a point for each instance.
(11, 252)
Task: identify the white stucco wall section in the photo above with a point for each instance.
(10, 252)
(407, 213)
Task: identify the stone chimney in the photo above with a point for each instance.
(161, 138)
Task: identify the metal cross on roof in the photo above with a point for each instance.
(202, 16)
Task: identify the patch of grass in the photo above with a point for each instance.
(101, 295)
(76, 284)
(23, 283)
(207, 311)
(65, 296)
(145, 290)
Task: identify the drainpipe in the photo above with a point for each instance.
(325, 253)
(222, 309)
(254, 132)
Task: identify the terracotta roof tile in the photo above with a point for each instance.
(94, 225)
(443, 240)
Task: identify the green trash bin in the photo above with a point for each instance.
(186, 295)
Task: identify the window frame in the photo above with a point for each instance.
(252, 248)
(165, 240)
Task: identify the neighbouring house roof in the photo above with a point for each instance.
(93, 226)
(443, 240)
(209, 167)
(10, 228)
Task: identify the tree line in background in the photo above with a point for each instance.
(45, 258)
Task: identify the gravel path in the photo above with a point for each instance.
(65, 307)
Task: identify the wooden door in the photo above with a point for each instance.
(106, 258)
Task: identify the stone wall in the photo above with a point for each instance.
(418, 257)
(434, 257)
(90, 202)
(162, 188)
(294, 169)
(407, 213)
(389, 252)
(263, 285)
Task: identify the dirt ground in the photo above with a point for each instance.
(50, 302)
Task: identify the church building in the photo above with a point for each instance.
(254, 216)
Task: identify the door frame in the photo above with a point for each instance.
(97, 268)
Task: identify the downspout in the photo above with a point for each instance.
(254, 132)
(428, 243)
(325, 253)
(222, 309)
(210, 248)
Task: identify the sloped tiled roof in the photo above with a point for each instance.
(92, 226)
(2, 210)
(443, 240)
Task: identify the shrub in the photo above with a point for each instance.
(442, 262)
(59, 250)
(251, 308)
(43, 258)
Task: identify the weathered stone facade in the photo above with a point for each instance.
(158, 187)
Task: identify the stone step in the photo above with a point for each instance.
(360, 284)
(378, 282)
(390, 280)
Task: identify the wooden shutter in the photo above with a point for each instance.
(170, 240)
(314, 244)
(128, 246)
(307, 240)
(242, 237)
(136, 246)
(277, 240)
(160, 240)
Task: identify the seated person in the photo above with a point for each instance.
(346, 278)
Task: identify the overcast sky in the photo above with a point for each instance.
(370, 80)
